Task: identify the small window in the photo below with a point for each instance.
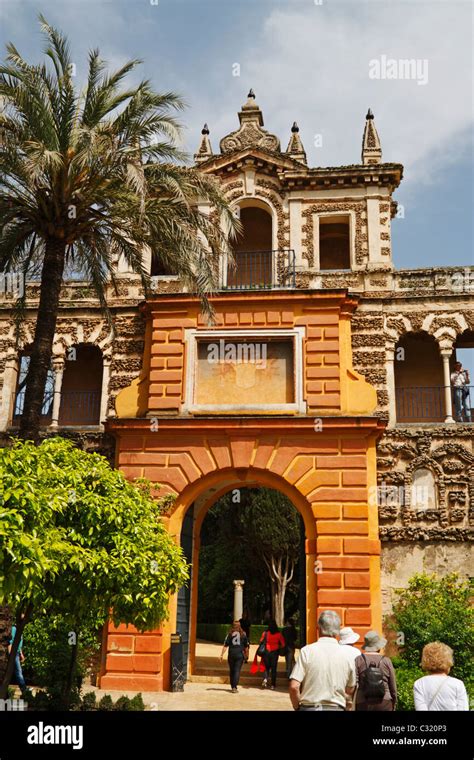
(334, 242)
(159, 269)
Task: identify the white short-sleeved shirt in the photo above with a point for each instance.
(325, 672)
(452, 693)
(351, 652)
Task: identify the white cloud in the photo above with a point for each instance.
(311, 63)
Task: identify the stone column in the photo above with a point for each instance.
(8, 393)
(104, 398)
(392, 400)
(448, 400)
(58, 366)
(238, 599)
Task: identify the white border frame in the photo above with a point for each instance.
(191, 338)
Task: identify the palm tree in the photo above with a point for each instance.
(87, 177)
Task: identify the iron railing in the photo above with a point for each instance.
(426, 403)
(261, 270)
(77, 408)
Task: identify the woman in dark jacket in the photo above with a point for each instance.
(238, 645)
(371, 656)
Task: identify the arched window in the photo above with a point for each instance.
(252, 250)
(419, 381)
(47, 408)
(82, 386)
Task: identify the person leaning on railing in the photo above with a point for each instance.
(460, 383)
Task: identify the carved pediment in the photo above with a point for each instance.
(250, 133)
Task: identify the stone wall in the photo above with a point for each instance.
(401, 560)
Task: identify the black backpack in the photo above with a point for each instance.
(371, 680)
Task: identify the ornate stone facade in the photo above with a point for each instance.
(435, 304)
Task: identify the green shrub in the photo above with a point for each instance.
(89, 701)
(106, 703)
(40, 701)
(137, 704)
(218, 631)
(48, 651)
(406, 676)
(435, 609)
(122, 703)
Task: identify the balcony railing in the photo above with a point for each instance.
(427, 403)
(77, 408)
(261, 270)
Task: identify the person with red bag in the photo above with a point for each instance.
(271, 645)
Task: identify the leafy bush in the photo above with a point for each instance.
(122, 703)
(218, 631)
(137, 704)
(406, 676)
(435, 609)
(106, 703)
(48, 651)
(89, 701)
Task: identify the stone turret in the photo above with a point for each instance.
(371, 148)
(204, 150)
(295, 146)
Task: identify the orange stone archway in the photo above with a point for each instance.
(209, 491)
(325, 474)
(318, 449)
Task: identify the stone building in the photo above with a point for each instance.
(338, 392)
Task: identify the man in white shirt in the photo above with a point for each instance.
(323, 677)
(460, 383)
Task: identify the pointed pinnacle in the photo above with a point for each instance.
(370, 115)
(205, 130)
(295, 127)
(251, 94)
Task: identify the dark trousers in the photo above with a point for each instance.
(270, 660)
(19, 673)
(235, 665)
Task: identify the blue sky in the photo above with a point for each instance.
(310, 63)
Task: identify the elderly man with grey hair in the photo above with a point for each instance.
(323, 678)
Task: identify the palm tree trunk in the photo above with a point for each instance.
(40, 361)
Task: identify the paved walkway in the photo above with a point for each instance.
(216, 696)
(209, 696)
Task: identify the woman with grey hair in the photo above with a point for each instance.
(376, 683)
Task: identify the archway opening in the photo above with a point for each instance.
(82, 386)
(215, 529)
(252, 250)
(463, 396)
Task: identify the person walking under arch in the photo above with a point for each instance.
(238, 645)
(271, 642)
